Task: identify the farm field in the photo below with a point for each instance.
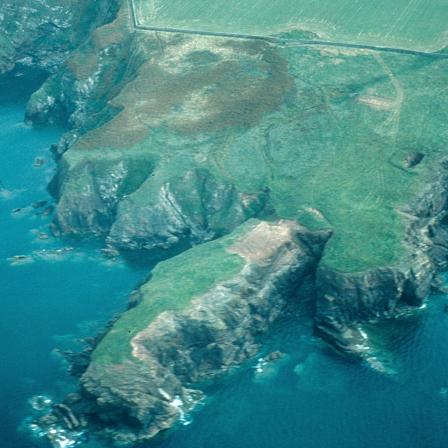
(408, 24)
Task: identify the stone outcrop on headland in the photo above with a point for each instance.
(262, 165)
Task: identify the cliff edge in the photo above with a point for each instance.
(175, 142)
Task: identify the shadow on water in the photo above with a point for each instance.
(18, 85)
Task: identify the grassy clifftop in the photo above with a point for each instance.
(174, 283)
(327, 136)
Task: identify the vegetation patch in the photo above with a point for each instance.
(174, 283)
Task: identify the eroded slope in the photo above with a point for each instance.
(201, 314)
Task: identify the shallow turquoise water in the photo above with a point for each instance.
(48, 303)
(309, 399)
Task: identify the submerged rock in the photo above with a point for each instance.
(39, 204)
(273, 356)
(38, 162)
(18, 260)
(318, 373)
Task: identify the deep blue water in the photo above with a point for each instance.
(331, 403)
(309, 399)
(51, 302)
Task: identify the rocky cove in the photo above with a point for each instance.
(253, 169)
(141, 382)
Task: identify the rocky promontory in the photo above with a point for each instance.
(199, 134)
(201, 314)
(175, 143)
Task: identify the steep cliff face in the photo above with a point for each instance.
(123, 198)
(42, 33)
(141, 375)
(194, 208)
(88, 202)
(160, 194)
(91, 75)
(177, 140)
(347, 300)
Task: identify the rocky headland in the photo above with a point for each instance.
(42, 34)
(263, 166)
(189, 327)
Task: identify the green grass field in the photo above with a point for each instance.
(173, 285)
(327, 133)
(411, 24)
(324, 132)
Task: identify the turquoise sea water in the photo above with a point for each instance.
(315, 400)
(55, 299)
(309, 399)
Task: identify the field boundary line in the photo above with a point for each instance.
(281, 41)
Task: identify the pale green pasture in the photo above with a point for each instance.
(173, 285)
(411, 24)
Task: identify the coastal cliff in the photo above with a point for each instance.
(201, 314)
(176, 143)
(42, 34)
(347, 300)
(175, 161)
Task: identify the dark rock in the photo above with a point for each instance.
(39, 204)
(41, 34)
(72, 399)
(38, 162)
(48, 420)
(413, 159)
(346, 300)
(273, 356)
(136, 398)
(66, 414)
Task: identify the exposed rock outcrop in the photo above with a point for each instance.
(134, 399)
(192, 208)
(178, 140)
(41, 34)
(91, 75)
(346, 300)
